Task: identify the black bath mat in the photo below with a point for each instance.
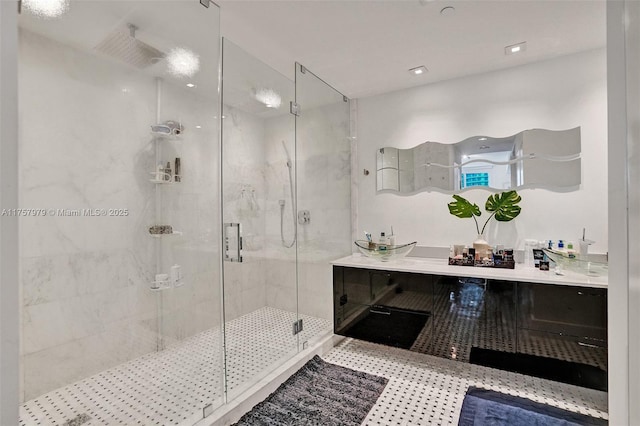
(572, 373)
(389, 326)
(319, 394)
(486, 407)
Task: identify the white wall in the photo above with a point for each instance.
(557, 94)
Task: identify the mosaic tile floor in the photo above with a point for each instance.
(172, 386)
(427, 390)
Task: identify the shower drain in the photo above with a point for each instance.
(77, 421)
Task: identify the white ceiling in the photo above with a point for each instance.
(177, 23)
(365, 47)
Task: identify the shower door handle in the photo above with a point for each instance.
(231, 236)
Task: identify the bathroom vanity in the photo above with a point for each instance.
(525, 320)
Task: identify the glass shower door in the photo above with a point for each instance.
(258, 211)
(323, 158)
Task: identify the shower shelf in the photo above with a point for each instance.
(162, 182)
(166, 235)
(164, 285)
(165, 137)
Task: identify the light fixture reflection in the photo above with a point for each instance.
(269, 97)
(183, 62)
(46, 8)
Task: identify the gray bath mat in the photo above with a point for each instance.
(319, 394)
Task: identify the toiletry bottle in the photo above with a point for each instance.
(382, 242)
(176, 275)
(160, 172)
(177, 170)
(167, 171)
(560, 245)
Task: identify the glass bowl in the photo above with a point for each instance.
(577, 264)
(384, 252)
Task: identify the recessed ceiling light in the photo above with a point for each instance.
(191, 85)
(482, 139)
(46, 8)
(515, 48)
(448, 11)
(418, 70)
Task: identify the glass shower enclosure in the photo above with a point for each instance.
(118, 139)
(286, 211)
(183, 225)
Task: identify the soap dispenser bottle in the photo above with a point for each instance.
(167, 171)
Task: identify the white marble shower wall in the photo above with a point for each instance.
(85, 144)
(323, 174)
(244, 202)
(191, 207)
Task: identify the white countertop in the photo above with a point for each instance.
(422, 265)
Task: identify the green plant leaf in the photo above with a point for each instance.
(504, 205)
(463, 208)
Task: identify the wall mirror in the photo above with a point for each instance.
(536, 158)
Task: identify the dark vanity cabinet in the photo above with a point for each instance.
(563, 322)
(391, 308)
(527, 327)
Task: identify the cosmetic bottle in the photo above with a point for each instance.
(176, 275)
(177, 170)
(382, 242)
(167, 171)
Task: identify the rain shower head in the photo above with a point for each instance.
(123, 45)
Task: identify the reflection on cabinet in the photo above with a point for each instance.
(471, 319)
(391, 308)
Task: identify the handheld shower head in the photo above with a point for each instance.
(286, 151)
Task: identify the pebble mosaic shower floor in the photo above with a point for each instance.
(427, 390)
(172, 386)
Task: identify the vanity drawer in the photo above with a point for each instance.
(564, 310)
(580, 350)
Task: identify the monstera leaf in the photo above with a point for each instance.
(504, 205)
(463, 208)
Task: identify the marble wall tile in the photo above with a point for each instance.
(80, 358)
(87, 304)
